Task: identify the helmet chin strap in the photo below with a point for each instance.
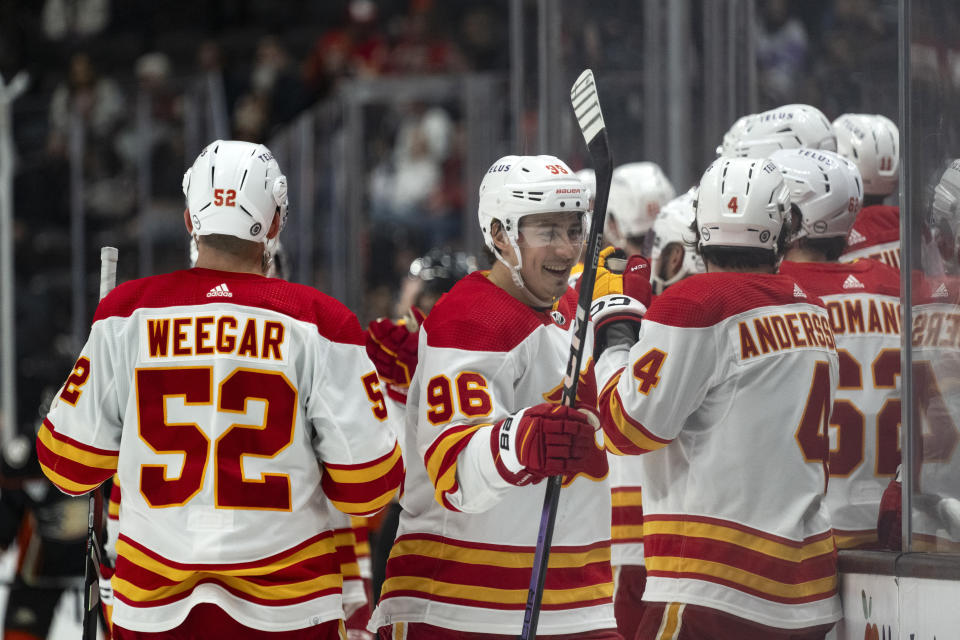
(518, 279)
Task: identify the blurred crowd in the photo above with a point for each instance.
(183, 73)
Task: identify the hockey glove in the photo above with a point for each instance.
(620, 301)
(392, 346)
(546, 440)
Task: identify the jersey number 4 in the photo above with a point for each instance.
(195, 386)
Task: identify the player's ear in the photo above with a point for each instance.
(187, 221)
(499, 236)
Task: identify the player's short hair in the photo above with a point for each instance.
(831, 248)
(739, 257)
(230, 244)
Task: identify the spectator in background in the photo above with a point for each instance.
(159, 116)
(101, 108)
(424, 47)
(782, 45)
(276, 79)
(484, 42)
(69, 19)
(97, 100)
(406, 189)
(218, 88)
(358, 48)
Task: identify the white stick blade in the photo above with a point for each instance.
(108, 270)
(586, 105)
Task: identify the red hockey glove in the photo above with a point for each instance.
(392, 346)
(546, 440)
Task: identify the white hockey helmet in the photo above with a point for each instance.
(637, 191)
(945, 214)
(788, 127)
(826, 189)
(589, 178)
(235, 188)
(518, 186)
(728, 147)
(872, 142)
(742, 202)
(674, 224)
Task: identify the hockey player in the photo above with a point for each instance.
(863, 300)
(392, 345)
(50, 531)
(673, 254)
(229, 404)
(637, 192)
(737, 541)
(788, 127)
(872, 142)
(673, 257)
(484, 427)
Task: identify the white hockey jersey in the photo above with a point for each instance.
(935, 338)
(863, 301)
(230, 405)
(463, 555)
(728, 393)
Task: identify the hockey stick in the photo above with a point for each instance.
(586, 106)
(91, 572)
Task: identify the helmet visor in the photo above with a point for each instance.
(555, 229)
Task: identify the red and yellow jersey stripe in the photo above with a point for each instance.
(623, 434)
(863, 539)
(441, 460)
(627, 515)
(492, 576)
(308, 571)
(363, 489)
(74, 467)
(345, 542)
(739, 557)
(113, 506)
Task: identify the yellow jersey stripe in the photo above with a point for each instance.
(141, 559)
(498, 596)
(492, 558)
(739, 538)
(681, 566)
(70, 452)
(364, 474)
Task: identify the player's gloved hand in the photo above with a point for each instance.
(546, 440)
(620, 300)
(392, 346)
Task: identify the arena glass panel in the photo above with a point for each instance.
(931, 272)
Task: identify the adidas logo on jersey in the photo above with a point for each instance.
(220, 291)
(941, 291)
(798, 292)
(852, 283)
(855, 237)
